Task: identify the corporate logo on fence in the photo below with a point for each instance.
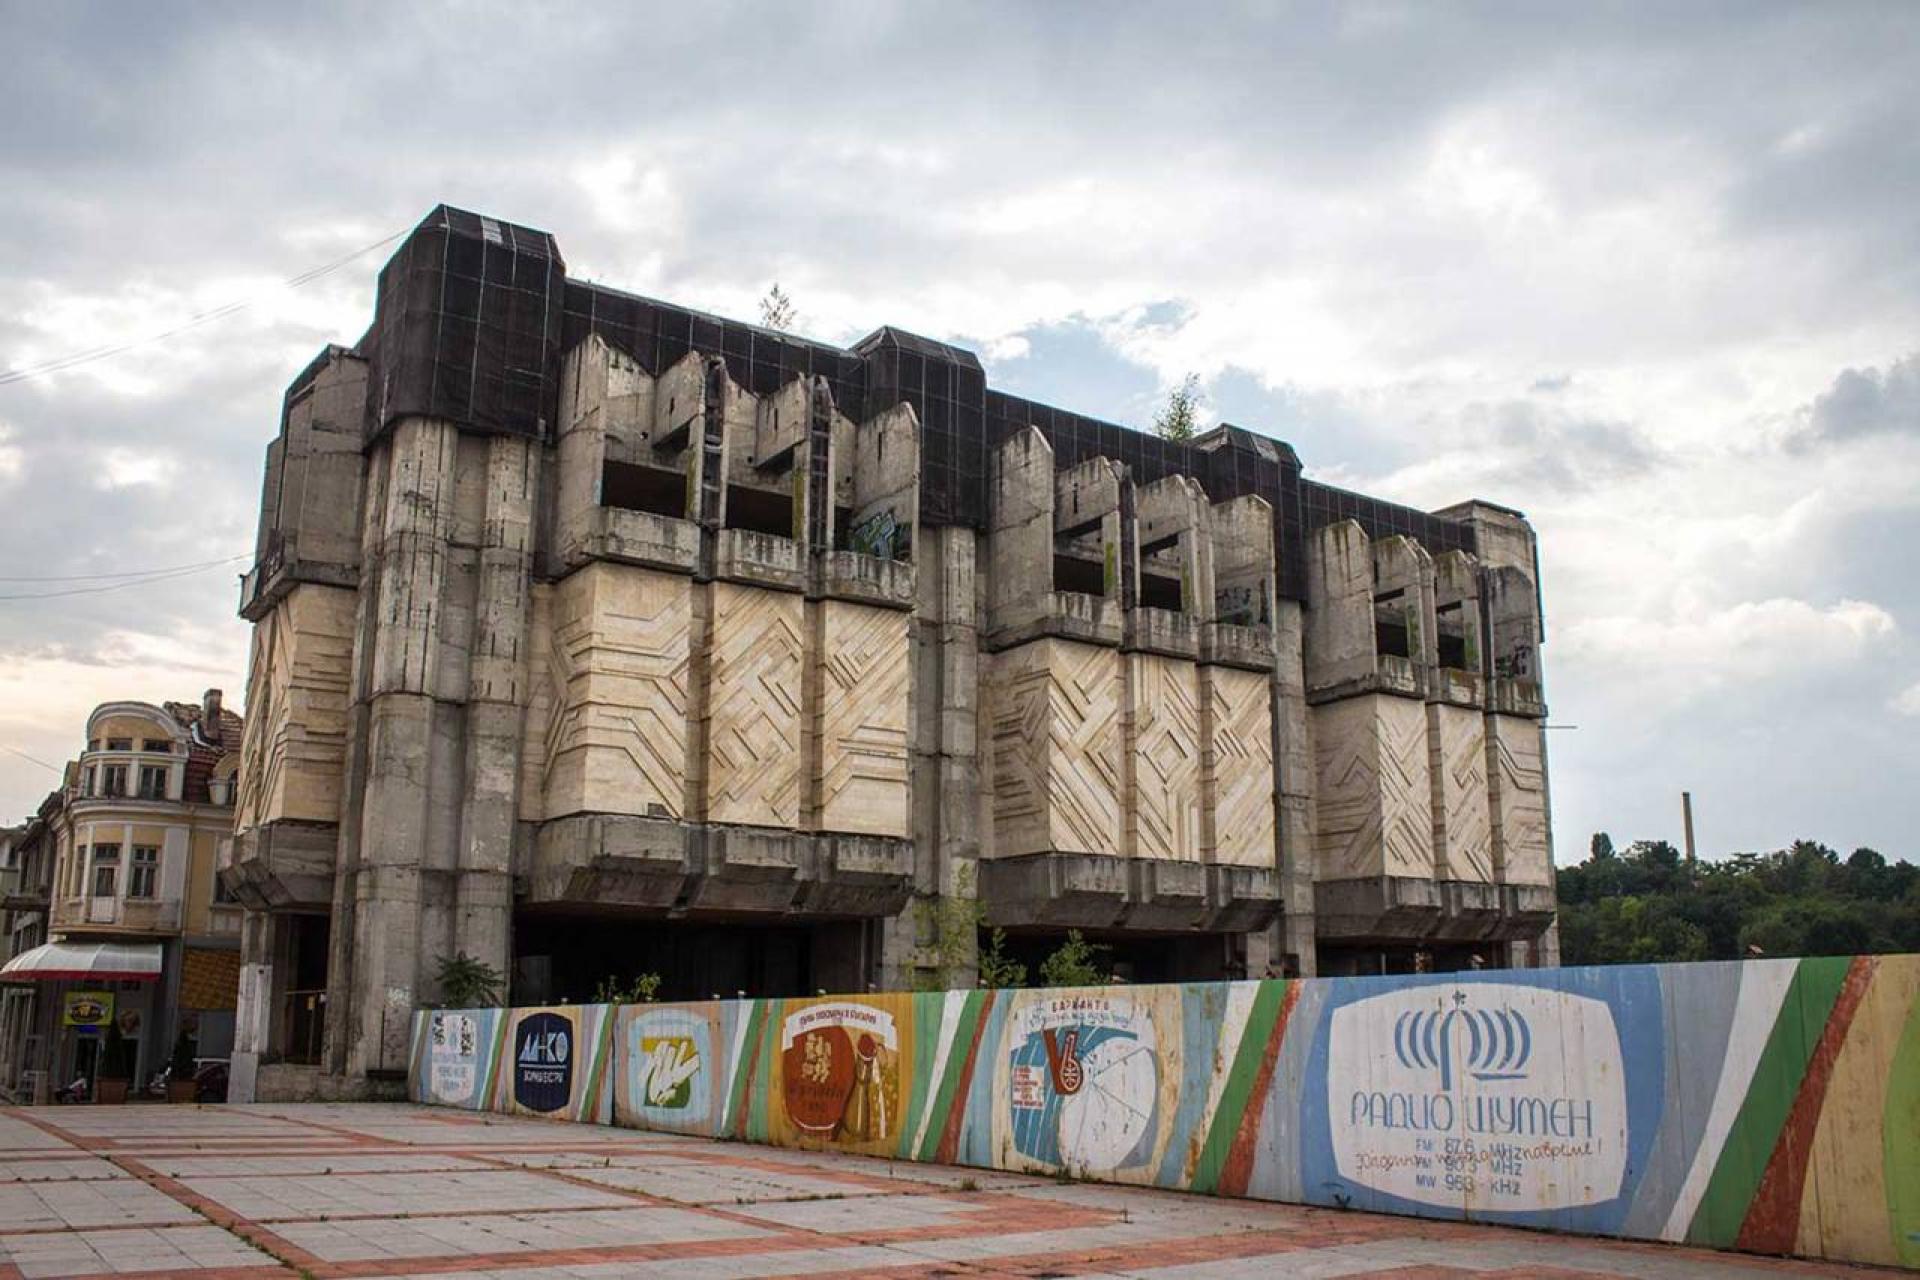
(1499, 1042)
(543, 1062)
(1483, 1096)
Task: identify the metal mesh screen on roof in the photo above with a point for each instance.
(474, 316)
(467, 326)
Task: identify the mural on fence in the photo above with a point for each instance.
(1772, 1105)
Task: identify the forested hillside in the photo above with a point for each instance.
(1646, 904)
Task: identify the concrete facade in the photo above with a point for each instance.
(594, 636)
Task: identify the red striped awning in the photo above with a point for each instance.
(85, 962)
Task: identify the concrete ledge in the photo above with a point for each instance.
(1527, 911)
(1402, 908)
(1470, 911)
(267, 584)
(1067, 615)
(848, 575)
(1516, 697)
(1371, 682)
(1458, 688)
(662, 865)
(282, 866)
(752, 869)
(1222, 644)
(1166, 895)
(1161, 631)
(1241, 899)
(1064, 890)
(614, 859)
(859, 875)
(759, 560)
(642, 538)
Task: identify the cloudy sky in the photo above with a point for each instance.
(1651, 275)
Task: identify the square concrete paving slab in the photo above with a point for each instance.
(397, 1194)
(481, 1235)
(42, 1206)
(78, 1169)
(172, 1249)
(324, 1162)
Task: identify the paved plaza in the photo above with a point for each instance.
(226, 1193)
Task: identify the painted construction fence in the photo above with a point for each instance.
(1771, 1105)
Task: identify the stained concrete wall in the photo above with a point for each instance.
(1764, 1106)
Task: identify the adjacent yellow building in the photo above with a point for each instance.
(139, 929)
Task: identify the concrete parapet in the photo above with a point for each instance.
(759, 559)
(1161, 631)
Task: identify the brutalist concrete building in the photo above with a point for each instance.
(594, 636)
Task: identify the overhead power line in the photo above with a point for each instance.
(122, 586)
(78, 358)
(127, 573)
(34, 759)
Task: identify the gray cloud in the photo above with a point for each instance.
(1866, 402)
(1561, 258)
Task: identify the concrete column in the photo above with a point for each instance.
(945, 765)
(497, 694)
(1293, 934)
(416, 524)
(253, 1012)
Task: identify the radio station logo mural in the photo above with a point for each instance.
(1448, 1095)
(668, 1068)
(1084, 1080)
(840, 1072)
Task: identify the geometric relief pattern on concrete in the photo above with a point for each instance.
(294, 746)
(1164, 736)
(1016, 696)
(1084, 744)
(1462, 818)
(617, 729)
(1241, 720)
(753, 731)
(863, 720)
(1375, 802)
(1518, 800)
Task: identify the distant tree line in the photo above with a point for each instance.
(1647, 904)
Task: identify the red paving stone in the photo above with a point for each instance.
(825, 1216)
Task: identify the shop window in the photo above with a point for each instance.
(143, 869)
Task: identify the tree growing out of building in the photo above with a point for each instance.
(1178, 418)
(467, 983)
(776, 309)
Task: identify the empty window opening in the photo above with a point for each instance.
(1160, 592)
(1451, 642)
(1391, 635)
(1086, 577)
(655, 490)
(759, 511)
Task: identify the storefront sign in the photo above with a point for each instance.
(87, 1009)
